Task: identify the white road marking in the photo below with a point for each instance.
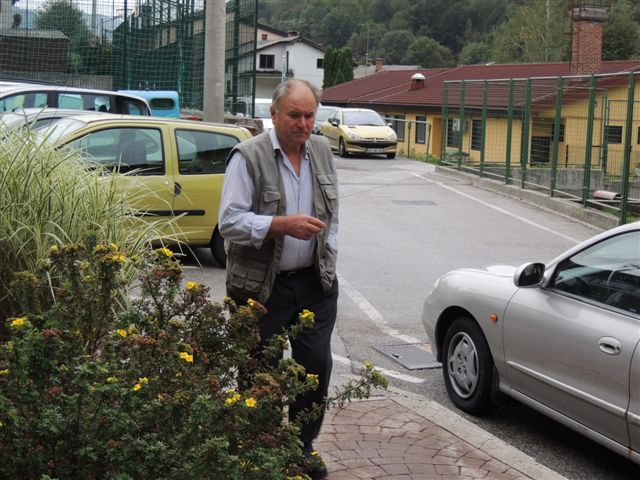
(372, 313)
(501, 210)
(383, 371)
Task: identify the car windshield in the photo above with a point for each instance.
(64, 126)
(323, 114)
(363, 118)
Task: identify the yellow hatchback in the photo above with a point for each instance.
(178, 165)
(359, 130)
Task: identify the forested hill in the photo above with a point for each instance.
(435, 33)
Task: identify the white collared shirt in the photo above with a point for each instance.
(245, 227)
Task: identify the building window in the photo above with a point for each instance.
(421, 129)
(476, 134)
(265, 36)
(398, 126)
(453, 132)
(560, 133)
(319, 62)
(267, 62)
(613, 134)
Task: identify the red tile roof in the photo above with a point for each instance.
(392, 88)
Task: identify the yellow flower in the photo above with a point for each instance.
(186, 357)
(19, 322)
(233, 399)
(251, 302)
(250, 402)
(307, 318)
(113, 246)
(116, 258)
(122, 332)
(54, 249)
(137, 387)
(165, 251)
(4, 372)
(112, 380)
(312, 378)
(192, 285)
(143, 380)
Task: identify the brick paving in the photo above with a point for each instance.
(384, 440)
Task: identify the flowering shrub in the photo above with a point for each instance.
(165, 387)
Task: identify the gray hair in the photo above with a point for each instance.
(285, 88)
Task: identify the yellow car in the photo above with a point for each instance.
(178, 164)
(359, 130)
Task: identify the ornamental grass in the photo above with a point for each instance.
(50, 196)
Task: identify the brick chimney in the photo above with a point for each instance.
(586, 39)
(379, 63)
(417, 81)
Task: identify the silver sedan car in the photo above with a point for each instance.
(562, 338)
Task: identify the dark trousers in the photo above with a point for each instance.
(311, 348)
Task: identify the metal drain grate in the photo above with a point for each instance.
(412, 356)
(414, 202)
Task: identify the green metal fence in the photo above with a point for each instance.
(572, 137)
(127, 44)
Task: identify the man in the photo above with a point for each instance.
(279, 216)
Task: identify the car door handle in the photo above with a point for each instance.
(177, 189)
(610, 346)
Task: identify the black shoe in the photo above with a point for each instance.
(313, 464)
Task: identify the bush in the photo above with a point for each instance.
(50, 196)
(166, 389)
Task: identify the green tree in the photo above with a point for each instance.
(346, 66)
(64, 16)
(533, 32)
(428, 53)
(620, 33)
(394, 45)
(474, 52)
(329, 67)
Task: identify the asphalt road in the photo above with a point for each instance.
(402, 225)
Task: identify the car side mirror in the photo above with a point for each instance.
(529, 275)
(335, 123)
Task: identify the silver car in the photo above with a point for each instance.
(562, 338)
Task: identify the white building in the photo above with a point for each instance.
(289, 52)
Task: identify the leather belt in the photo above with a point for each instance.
(294, 273)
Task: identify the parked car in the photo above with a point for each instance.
(359, 130)
(321, 117)
(163, 103)
(35, 118)
(262, 111)
(18, 95)
(178, 165)
(562, 338)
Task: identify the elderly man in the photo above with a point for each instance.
(279, 216)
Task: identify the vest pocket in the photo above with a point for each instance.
(327, 183)
(269, 202)
(247, 277)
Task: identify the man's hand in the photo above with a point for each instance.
(303, 227)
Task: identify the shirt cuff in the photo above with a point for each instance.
(259, 229)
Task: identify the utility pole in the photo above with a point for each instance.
(214, 53)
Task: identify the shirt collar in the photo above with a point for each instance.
(275, 143)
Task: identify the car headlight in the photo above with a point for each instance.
(353, 136)
(392, 138)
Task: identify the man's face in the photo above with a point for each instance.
(295, 116)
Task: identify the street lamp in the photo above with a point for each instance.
(366, 55)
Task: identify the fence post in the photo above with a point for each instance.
(507, 169)
(524, 144)
(626, 166)
(408, 138)
(461, 124)
(556, 136)
(483, 133)
(444, 123)
(589, 144)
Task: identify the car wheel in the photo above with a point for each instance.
(217, 248)
(342, 151)
(391, 155)
(468, 366)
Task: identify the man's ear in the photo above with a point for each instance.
(272, 110)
